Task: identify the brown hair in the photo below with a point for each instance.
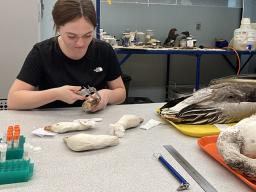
(65, 11)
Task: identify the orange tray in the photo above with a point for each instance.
(208, 144)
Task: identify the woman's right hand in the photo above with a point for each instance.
(25, 96)
(68, 94)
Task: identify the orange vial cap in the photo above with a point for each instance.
(9, 137)
(16, 127)
(16, 134)
(10, 129)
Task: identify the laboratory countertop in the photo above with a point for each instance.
(127, 167)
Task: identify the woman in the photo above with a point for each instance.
(55, 69)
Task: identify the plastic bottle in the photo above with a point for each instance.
(253, 25)
(3, 150)
(27, 150)
(190, 42)
(245, 36)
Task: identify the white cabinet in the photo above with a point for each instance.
(20, 30)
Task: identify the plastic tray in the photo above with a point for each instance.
(14, 171)
(208, 144)
(194, 130)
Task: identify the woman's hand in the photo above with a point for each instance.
(25, 96)
(115, 94)
(105, 95)
(68, 94)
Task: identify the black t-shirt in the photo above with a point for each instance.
(47, 67)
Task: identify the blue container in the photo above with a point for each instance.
(221, 43)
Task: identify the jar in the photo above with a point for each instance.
(190, 42)
(183, 43)
(194, 42)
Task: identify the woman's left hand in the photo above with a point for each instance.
(104, 94)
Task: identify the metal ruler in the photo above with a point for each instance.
(204, 184)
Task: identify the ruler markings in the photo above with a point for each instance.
(204, 184)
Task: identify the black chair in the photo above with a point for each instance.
(132, 100)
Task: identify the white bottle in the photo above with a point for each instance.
(3, 150)
(253, 25)
(27, 150)
(190, 42)
(245, 36)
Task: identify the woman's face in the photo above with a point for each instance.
(75, 37)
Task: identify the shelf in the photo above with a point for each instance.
(198, 3)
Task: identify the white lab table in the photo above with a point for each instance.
(127, 167)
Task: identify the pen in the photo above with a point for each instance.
(184, 185)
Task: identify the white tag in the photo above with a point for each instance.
(151, 123)
(41, 132)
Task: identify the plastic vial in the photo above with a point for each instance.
(16, 128)
(9, 136)
(10, 128)
(9, 139)
(16, 136)
(3, 149)
(1, 136)
(16, 139)
(27, 150)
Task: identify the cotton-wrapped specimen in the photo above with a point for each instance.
(247, 137)
(125, 122)
(238, 148)
(76, 125)
(84, 142)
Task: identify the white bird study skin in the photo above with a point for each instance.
(237, 145)
(85, 142)
(125, 122)
(76, 125)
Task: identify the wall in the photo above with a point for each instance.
(148, 72)
(19, 32)
(249, 9)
